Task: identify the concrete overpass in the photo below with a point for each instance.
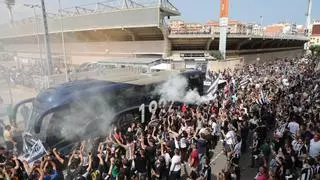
(125, 28)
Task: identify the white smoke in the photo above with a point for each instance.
(92, 117)
(176, 89)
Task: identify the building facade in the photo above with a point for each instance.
(315, 34)
(180, 27)
(281, 29)
(177, 26)
(234, 27)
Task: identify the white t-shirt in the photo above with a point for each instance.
(167, 159)
(230, 137)
(215, 129)
(175, 163)
(237, 148)
(293, 127)
(203, 131)
(7, 135)
(314, 148)
(183, 142)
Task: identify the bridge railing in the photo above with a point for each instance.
(236, 35)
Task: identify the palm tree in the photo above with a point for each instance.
(10, 4)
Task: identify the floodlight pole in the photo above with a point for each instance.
(224, 11)
(62, 41)
(37, 33)
(46, 40)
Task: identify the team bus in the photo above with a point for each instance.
(77, 110)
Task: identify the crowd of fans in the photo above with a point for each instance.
(270, 111)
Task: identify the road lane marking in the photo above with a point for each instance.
(217, 156)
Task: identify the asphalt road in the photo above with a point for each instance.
(219, 162)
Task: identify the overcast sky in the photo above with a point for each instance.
(200, 10)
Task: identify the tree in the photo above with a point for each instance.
(315, 50)
(10, 4)
(217, 55)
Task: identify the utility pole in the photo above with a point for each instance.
(224, 12)
(46, 40)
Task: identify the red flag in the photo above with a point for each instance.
(183, 108)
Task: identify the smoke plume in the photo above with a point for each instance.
(176, 89)
(87, 117)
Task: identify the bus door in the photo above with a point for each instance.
(19, 118)
(21, 114)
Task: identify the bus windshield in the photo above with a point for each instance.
(34, 116)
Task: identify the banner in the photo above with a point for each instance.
(34, 150)
(224, 8)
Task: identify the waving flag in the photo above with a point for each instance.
(245, 81)
(214, 86)
(263, 99)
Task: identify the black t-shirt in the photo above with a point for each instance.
(141, 164)
(288, 160)
(61, 167)
(2, 158)
(124, 172)
(151, 153)
(244, 132)
(201, 146)
(234, 123)
(262, 132)
(225, 128)
(307, 135)
(20, 173)
(71, 174)
(277, 145)
(206, 172)
(160, 169)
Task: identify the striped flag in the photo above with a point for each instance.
(244, 82)
(263, 99)
(214, 86)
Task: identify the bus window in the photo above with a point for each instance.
(41, 124)
(23, 115)
(65, 126)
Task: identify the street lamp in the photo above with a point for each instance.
(261, 21)
(261, 25)
(34, 6)
(62, 40)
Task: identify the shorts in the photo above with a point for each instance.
(228, 147)
(10, 145)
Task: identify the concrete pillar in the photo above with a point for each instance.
(209, 43)
(167, 47)
(167, 43)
